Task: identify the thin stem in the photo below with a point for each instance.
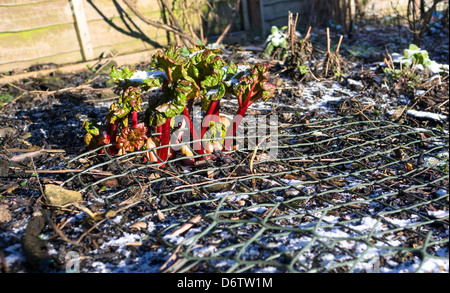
(240, 99)
(231, 131)
(165, 140)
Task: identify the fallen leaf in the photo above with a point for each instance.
(5, 214)
(59, 196)
(409, 167)
(137, 243)
(110, 214)
(398, 113)
(139, 225)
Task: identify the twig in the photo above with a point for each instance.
(23, 157)
(91, 172)
(307, 34)
(175, 176)
(89, 230)
(165, 267)
(84, 209)
(37, 178)
(82, 86)
(58, 231)
(169, 28)
(328, 41)
(339, 44)
(186, 226)
(188, 22)
(233, 16)
(98, 223)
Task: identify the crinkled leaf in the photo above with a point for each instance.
(268, 90)
(153, 82)
(231, 69)
(170, 61)
(118, 75)
(132, 138)
(121, 112)
(254, 85)
(171, 104)
(205, 67)
(216, 93)
(130, 99)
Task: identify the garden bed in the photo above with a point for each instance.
(359, 183)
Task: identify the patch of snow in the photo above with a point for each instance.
(429, 115)
(438, 214)
(141, 75)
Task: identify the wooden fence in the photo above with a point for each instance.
(69, 31)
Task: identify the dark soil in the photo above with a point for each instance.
(41, 130)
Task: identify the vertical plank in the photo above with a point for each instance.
(82, 29)
(263, 22)
(245, 15)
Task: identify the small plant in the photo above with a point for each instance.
(405, 78)
(333, 64)
(300, 50)
(200, 76)
(416, 57)
(414, 66)
(285, 44)
(5, 98)
(276, 44)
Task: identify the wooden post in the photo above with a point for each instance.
(263, 24)
(82, 29)
(245, 16)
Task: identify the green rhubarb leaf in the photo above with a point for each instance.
(91, 127)
(119, 75)
(413, 47)
(131, 99)
(169, 105)
(216, 93)
(273, 30)
(170, 61)
(231, 69)
(153, 82)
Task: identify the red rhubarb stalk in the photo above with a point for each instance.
(190, 103)
(216, 114)
(134, 119)
(231, 131)
(111, 135)
(165, 140)
(159, 130)
(209, 113)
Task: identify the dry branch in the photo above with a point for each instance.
(187, 39)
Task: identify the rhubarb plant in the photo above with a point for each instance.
(252, 85)
(201, 76)
(119, 115)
